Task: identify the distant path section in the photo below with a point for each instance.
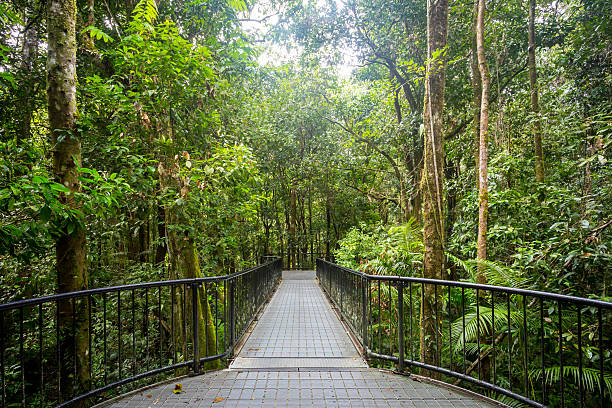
(299, 355)
(298, 329)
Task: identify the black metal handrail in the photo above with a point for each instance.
(131, 333)
(539, 348)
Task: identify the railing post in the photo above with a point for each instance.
(400, 324)
(364, 315)
(196, 328)
(231, 315)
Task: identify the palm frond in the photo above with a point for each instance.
(590, 376)
(470, 333)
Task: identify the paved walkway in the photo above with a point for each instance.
(299, 355)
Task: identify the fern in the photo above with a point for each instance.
(486, 320)
(590, 376)
(495, 273)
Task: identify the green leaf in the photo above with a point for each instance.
(45, 214)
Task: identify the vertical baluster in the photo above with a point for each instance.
(58, 348)
(172, 337)
(602, 388)
(561, 376)
(509, 342)
(580, 380)
(422, 301)
(542, 360)
(89, 340)
(400, 324)
(364, 313)
(134, 358)
(184, 300)
(411, 327)
(379, 320)
(216, 317)
(463, 326)
(206, 328)
(74, 349)
(225, 317)
(195, 322)
(159, 327)
(438, 348)
(104, 339)
(525, 376)
(146, 328)
(22, 357)
(450, 331)
(371, 339)
(119, 334)
(341, 289)
(493, 338)
(40, 353)
(478, 332)
(2, 379)
(391, 342)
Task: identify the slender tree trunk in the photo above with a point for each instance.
(86, 39)
(477, 94)
(483, 195)
(70, 246)
(433, 177)
(29, 50)
(535, 104)
(162, 246)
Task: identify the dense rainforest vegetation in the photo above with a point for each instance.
(463, 140)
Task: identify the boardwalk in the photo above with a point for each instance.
(299, 355)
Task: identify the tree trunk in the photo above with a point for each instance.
(483, 195)
(432, 179)
(87, 39)
(70, 246)
(29, 50)
(162, 246)
(477, 95)
(535, 105)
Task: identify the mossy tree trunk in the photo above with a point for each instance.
(477, 95)
(70, 246)
(483, 194)
(433, 176)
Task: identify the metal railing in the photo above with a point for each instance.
(81, 346)
(541, 349)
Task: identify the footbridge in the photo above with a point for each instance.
(330, 337)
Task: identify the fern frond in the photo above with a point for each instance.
(590, 376)
(486, 321)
